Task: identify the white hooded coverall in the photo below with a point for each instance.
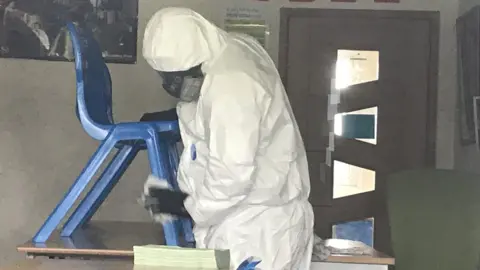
(244, 164)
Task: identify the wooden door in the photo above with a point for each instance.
(394, 80)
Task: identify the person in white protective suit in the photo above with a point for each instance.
(244, 165)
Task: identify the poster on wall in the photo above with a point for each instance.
(247, 21)
(35, 29)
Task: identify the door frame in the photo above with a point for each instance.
(433, 18)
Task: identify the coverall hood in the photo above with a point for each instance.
(177, 39)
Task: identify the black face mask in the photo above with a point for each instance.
(184, 85)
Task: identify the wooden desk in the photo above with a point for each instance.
(109, 245)
(45, 264)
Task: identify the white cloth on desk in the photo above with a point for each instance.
(320, 251)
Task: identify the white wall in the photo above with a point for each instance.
(42, 147)
(465, 5)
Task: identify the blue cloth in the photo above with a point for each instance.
(361, 230)
(249, 264)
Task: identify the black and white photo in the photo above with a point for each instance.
(35, 29)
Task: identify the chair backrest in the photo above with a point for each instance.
(94, 86)
(435, 219)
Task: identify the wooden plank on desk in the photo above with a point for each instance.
(361, 260)
(110, 239)
(369, 256)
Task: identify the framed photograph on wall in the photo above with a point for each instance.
(254, 28)
(35, 29)
(249, 21)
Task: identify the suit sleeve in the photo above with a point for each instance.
(233, 116)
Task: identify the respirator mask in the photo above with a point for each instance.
(184, 85)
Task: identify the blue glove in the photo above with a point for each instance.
(249, 264)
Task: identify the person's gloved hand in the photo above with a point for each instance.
(149, 202)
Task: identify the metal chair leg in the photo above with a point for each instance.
(102, 188)
(107, 191)
(76, 189)
(156, 156)
(186, 223)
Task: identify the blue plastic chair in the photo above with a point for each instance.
(94, 110)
